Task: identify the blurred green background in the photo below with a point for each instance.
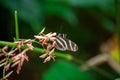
(86, 22)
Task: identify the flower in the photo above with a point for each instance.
(21, 43)
(19, 59)
(48, 41)
(48, 56)
(6, 76)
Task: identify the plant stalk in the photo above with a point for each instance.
(16, 25)
(37, 50)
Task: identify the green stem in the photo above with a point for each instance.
(16, 25)
(6, 62)
(3, 73)
(37, 50)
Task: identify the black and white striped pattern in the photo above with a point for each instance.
(65, 44)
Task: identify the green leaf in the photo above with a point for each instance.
(62, 11)
(62, 70)
(28, 10)
(85, 3)
(117, 79)
(108, 25)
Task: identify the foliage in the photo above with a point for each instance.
(89, 23)
(63, 70)
(33, 11)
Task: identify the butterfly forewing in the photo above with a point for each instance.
(65, 44)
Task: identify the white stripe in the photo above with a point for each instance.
(71, 47)
(66, 47)
(60, 43)
(75, 48)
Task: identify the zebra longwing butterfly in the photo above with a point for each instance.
(63, 44)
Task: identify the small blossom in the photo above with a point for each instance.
(47, 59)
(18, 68)
(51, 54)
(30, 46)
(25, 57)
(6, 76)
(39, 37)
(19, 45)
(48, 41)
(19, 60)
(43, 56)
(48, 56)
(15, 63)
(2, 64)
(51, 34)
(52, 51)
(11, 53)
(15, 58)
(53, 45)
(4, 49)
(6, 68)
(49, 47)
(41, 32)
(3, 60)
(20, 55)
(27, 42)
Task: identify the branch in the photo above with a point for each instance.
(37, 50)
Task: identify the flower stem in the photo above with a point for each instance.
(37, 50)
(16, 25)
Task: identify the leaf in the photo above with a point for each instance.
(62, 11)
(28, 10)
(108, 25)
(117, 79)
(62, 70)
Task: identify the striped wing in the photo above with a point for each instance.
(64, 44)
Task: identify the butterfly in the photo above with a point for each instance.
(59, 41)
(63, 44)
